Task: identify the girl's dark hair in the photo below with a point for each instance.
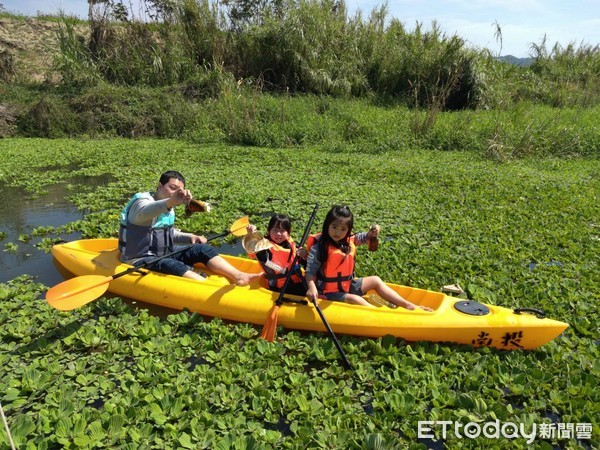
(338, 212)
(165, 177)
(281, 221)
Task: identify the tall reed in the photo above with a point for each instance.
(305, 46)
(571, 73)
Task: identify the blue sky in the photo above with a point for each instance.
(522, 21)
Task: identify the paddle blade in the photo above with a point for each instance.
(78, 291)
(270, 326)
(239, 226)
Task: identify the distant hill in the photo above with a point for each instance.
(525, 62)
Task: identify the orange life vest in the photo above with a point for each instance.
(280, 258)
(338, 271)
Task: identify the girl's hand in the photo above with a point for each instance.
(374, 231)
(312, 292)
(303, 253)
(250, 228)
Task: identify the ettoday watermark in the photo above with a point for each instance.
(427, 429)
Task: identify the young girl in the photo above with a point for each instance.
(330, 266)
(277, 260)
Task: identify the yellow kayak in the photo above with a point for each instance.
(452, 320)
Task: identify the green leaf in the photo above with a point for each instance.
(11, 394)
(82, 440)
(21, 428)
(115, 424)
(79, 426)
(185, 441)
(63, 427)
(96, 432)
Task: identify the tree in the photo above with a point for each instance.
(246, 12)
(92, 4)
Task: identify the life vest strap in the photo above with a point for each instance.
(337, 278)
(274, 276)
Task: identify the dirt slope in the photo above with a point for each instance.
(30, 43)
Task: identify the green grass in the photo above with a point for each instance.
(239, 116)
(105, 375)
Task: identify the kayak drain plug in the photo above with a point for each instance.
(472, 308)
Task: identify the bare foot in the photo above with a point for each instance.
(244, 279)
(412, 307)
(195, 275)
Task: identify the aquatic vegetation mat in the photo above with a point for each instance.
(523, 233)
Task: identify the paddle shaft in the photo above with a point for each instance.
(302, 242)
(331, 333)
(333, 337)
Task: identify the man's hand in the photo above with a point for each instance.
(198, 239)
(179, 197)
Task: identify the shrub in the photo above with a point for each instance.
(49, 117)
(133, 112)
(425, 66)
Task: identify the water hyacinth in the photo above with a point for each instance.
(113, 375)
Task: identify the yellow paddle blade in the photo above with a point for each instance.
(239, 226)
(78, 291)
(270, 326)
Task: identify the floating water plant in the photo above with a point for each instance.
(11, 247)
(107, 375)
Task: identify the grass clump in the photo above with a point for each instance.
(570, 73)
(133, 112)
(49, 117)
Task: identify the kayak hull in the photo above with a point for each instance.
(499, 328)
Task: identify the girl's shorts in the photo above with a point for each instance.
(355, 288)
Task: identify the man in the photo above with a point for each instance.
(147, 232)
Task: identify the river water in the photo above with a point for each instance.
(19, 216)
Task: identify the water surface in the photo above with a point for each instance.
(20, 214)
